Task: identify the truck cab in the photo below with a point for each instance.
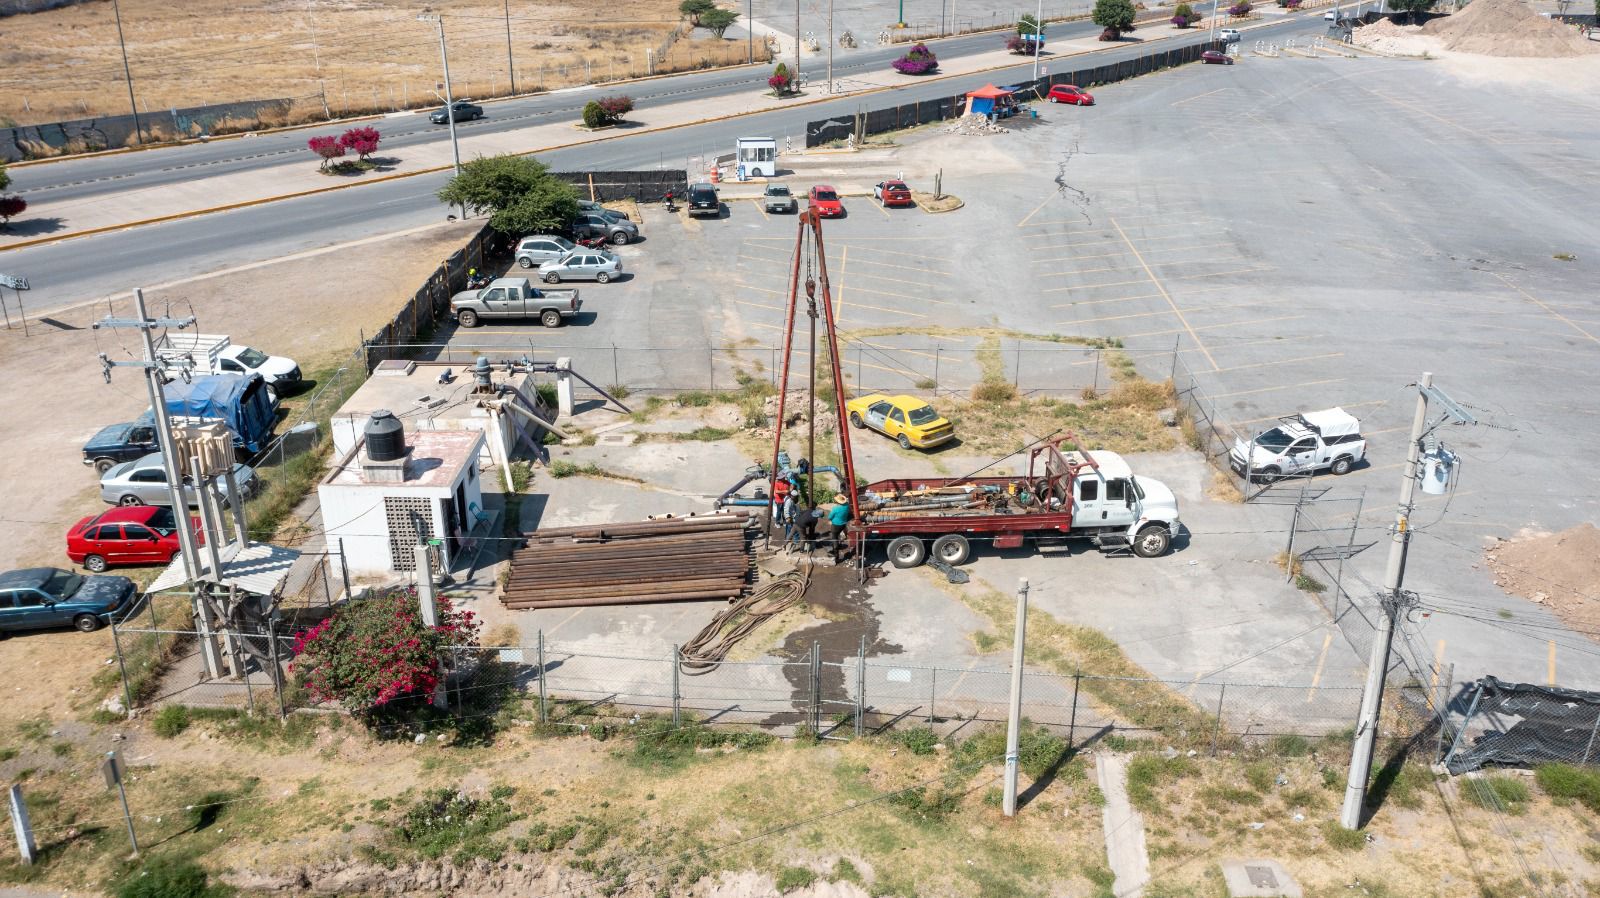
(1301, 445)
(1117, 508)
(119, 443)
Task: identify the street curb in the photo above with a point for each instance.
(244, 204)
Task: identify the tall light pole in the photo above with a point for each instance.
(1395, 603)
(1038, 41)
(1014, 706)
(830, 46)
(316, 59)
(449, 99)
(797, 40)
(750, 31)
(1213, 37)
(138, 131)
(511, 66)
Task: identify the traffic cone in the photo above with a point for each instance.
(716, 175)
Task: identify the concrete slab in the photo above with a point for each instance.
(1259, 878)
(1124, 828)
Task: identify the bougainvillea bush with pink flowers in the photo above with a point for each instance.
(375, 652)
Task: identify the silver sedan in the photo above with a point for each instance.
(537, 250)
(582, 265)
(144, 482)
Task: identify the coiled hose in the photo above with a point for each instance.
(711, 645)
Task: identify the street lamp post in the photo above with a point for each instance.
(1213, 37)
(1038, 40)
(138, 132)
(511, 65)
(449, 99)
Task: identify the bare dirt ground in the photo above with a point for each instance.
(364, 54)
(1557, 570)
(55, 399)
(1500, 42)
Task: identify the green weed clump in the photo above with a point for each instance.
(1566, 782)
(791, 878)
(168, 878)
(170, 721)
(1148, 773)
(917, 740)
(661, 747)
(1498, 793)
(446, 821)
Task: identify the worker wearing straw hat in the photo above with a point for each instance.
(838, 519)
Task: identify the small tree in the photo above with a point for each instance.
(781, 81)
(1115, 16)
(718, 20)
(616, 107)
(1184, 16)
(1412, 7)
(1027, 25)
(593, 115)
(11, 206)
(326, 146)
(919, 60)
(377, 650)
(5, 179)
(519, 192)
(696, 10)
(1242, 8)
(361, 141)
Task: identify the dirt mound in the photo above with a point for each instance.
(1385, 36)
(1560, 571)
(1507, 28)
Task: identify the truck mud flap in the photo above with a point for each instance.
(953, 575)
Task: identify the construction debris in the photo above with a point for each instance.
(975, 125)
(665, 560)
(711, 645)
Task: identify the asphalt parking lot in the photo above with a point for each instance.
(1184, 214)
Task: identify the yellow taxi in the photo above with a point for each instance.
(909, 420)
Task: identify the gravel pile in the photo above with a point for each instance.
(1507, 28)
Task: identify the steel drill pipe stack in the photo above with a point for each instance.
(666, 560)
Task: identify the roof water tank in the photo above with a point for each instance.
(386, 437)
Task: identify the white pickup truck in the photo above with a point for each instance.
(1301, 445)
(218, 354)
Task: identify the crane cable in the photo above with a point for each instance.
(711, 645)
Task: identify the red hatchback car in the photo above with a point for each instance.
(892, 193)
(138, 534)
(1066, 93)
(825, 200)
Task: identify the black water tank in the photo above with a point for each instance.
(386, 437)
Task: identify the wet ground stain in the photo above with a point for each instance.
(835, 594)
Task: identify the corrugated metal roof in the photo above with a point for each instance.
(258, 568)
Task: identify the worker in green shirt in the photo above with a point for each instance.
(838, 519)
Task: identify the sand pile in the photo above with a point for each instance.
(1507, 28)
(1560, 571)
(1385, 36)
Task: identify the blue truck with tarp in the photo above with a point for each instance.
(242, 402)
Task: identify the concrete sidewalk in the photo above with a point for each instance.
(300, 176)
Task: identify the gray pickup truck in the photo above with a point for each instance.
(514, 298)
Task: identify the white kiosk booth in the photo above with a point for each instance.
(757, 157)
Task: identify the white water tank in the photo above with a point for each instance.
(1437, 466)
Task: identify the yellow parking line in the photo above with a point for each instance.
(1036, 209)
(1053, 274)
(1309, 383)
(1341, 405)
(761, 289)
(880, 208)
(1186, 277)
(1097, 242)
(890, 311)
(761, 207)
(759, 305)
(1186, 294)
(770, 327)
(1275, 340)
(900, 279)
(1162, 287)
(1169, 249)
(1172, 311)
(892, 265)
(1206, 327)
(1198, 96)
(1300, 358)
(926, 355)
(937, 302)
(1322, 658)
(1559, 317)
(844, 263)
(887, 252)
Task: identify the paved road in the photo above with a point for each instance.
(91, 268)
(77, 178)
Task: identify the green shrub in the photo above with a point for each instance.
(1289, 746)
(1259, 776)
(1565, 781)
(1150, 772)
(659, 746)
(593, 115)
(696, 399)
(445, 819)
(1230, 795)
(1497, 793)
(923, 806)
(166, 878)
(917, 740)
(792, 878)
(170, 721)
(844, 871)
(1038, 749)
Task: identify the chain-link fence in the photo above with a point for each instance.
(1497, 723)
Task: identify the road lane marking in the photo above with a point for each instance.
(1322, 658)
(1162, 287)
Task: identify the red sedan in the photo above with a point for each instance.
(1066, 93)
(825, 200)
(892, 193)
(138, 534)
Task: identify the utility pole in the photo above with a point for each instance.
(154, 382)
(797, 39)
(449, 99)
(511, 66)
(316, 59)
(1395, 603)
(750, 31)
(830, 46)
(1213, 35)
(1014, 713)
(1038, 41)
(127, 73)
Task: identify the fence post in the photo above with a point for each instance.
(344, 570)
(858, 366)
(1217, 730)
(816, 689)
(1288, 550)
(861, 685)
(1592, 731)
(933, 691)
(676, 694)
(1441, 708)
(616, 376)
(1016, 373)
(1072, 722)
(541, 677)
(235, 656)
(277, 667)
(936, 353)
(127, 694)
(1096, 385)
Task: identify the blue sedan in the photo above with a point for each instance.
(40, 598)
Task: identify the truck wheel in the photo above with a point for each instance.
(907, 551)
(95, 563)
(102, 465)
(603, 277)
(550, 318)
(952, 549)
(1342, 465)
(1152, 542)
(525, 262)
(468, 318)
(86, 623)
(552, 278)
(904, 441)
(1269, 474)
(855, 420)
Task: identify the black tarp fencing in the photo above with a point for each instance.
(648, 186)
(1522, 724)
(894, 118)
